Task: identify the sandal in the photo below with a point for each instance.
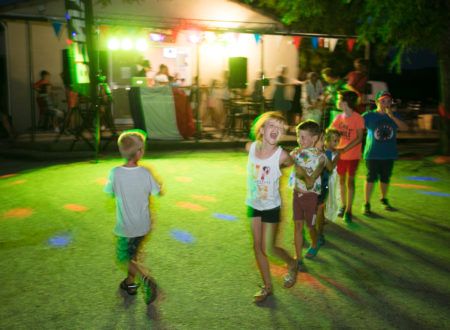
(131, 289)
(149, 288)
(311, 253)
(262, 294)
(291, 276)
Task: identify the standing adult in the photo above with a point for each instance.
(357, 81)
(380, 150)
(334, 85)
(280, 102)
(312, 105)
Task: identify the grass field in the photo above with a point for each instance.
(58, 271)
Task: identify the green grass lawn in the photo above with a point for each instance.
(390, 271)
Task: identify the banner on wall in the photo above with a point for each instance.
(78, 58)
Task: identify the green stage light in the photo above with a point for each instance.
(127, 44)
(113, 44)
(141, 44)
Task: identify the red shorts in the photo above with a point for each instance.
(305, 207)
(347, 166)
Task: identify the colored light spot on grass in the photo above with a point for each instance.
(411, 186)
(17, 182)
(226, 217)
(6, 176)
(205, 198)
(422, 178)
(302, 278)
(182, 236)
(101, 181)
(21, 212)
(183, 179)
(434, 193)
(75, 207)
(60, 240)
(190, 206)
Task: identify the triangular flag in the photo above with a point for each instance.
(296, 40)
(350, 43)
(315, 42)
(333, 42)
(57, 28)
(326, 42)
(321, 42)
(257, 37)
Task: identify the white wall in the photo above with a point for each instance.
(46, 54)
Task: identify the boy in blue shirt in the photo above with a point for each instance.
(380, 149)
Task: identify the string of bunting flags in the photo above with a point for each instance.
(195, 36)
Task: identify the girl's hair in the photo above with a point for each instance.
(130, 142)
(310, 126)
(349, 97)
(261, 120)
(330, 132)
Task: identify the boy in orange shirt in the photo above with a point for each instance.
(351, 126)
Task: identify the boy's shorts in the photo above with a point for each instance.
(128, 248)
(379, 169)
(305, 207)
(347, 166)
(270, 216)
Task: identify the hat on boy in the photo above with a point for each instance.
(382, 94)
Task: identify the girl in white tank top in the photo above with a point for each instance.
(263, 196)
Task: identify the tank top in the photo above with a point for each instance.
(263, 180)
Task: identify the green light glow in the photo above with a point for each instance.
(126, 44)
(113, 44)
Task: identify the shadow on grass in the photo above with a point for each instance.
(378, 301)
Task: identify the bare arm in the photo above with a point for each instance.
(247, 146)
(402, 126)
(285, 159)
(357, 140)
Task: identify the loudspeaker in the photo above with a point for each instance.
(66, 75)
(237, 68)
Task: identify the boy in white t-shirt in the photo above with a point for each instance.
(132, 185)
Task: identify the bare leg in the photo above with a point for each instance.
(384, 189)
(320, 218)
(368, 188)
(313, 235)
(134, 269)
(343, 187)
(350, 193)
(272, 231)
(258, 231)
(298, 238)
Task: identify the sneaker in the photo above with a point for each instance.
(386, 204)
(262, 294)
(341, 212)
(366, 210)
(348, 217)
(131, 289)
(149, 288)
(311, 253)
(321, 240)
